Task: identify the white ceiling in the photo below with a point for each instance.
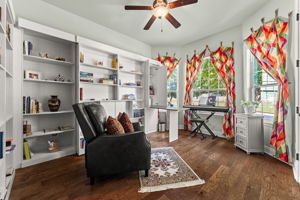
(197, 20)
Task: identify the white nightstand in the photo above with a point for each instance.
(249, 132)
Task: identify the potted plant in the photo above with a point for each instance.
(249, 106)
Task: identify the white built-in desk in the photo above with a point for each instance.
(173, 121)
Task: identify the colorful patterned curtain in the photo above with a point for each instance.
(192, 69)
(223, 61)
(268, 44)
(170, 62)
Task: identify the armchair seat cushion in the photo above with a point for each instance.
(114, 127)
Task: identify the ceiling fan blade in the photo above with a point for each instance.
(150, 22)
(179, 3)
(172, 20)
(138, 7)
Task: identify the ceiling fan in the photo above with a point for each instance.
(160, 9)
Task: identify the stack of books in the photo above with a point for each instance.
(31, 105)
(82, 143)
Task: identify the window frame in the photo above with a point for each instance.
(254, 86)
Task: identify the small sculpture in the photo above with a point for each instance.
(53, 147)
(60, 78)
(60, 58)
(54, 103)
(43, 55)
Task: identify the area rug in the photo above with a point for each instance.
(168, 170)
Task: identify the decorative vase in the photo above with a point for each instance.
(54, 103)
(250, 109)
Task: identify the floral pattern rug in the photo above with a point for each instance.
(168, 170)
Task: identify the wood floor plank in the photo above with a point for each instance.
(229, 174)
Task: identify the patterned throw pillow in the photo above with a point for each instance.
(114, 127)
(126, 123)
(119, 116)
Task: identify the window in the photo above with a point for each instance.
(172, 88)
(264, 88)
(208, 88)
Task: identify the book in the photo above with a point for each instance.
(24, 104)
(27, 155)
(31, 105)
(86, 77)
(80, 94)
(1, 145)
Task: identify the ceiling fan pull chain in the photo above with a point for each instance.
(161, 28)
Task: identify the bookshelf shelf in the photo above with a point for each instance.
(46, 60)
(48, 81)
(49, 113)
(133, 73)
(131, 86)
(41, 133)
(138, 108)
(98, 67)
(105, 84)
(102, 100)
(8, 74)
(46, 156)
(135, 118)
(8, 44)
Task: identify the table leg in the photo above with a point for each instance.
(173, 125)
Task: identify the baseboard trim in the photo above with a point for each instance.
(270, 151)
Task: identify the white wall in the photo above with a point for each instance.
(47, 14)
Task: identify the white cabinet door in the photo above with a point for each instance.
(156, 85)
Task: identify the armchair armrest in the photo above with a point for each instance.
(110, 154)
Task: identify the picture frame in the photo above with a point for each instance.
(33, 75)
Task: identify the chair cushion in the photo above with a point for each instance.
(97, 116)
(126, 123)
(114, 127)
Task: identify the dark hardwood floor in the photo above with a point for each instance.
(229, 174)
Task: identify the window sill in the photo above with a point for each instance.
(268, 118)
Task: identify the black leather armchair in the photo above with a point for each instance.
(111, 154)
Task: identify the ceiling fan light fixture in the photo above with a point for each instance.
(160, 11)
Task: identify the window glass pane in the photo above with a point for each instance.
(267, 96)
(197, 83)
(221, 84)
(263, 92)
(172, 98)
(204, 84)
(172, 88)
(208, 88)
(199, 97)
(214, 83)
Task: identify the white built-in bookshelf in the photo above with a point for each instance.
(122, 93)
(39, 83)
(7, 118)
